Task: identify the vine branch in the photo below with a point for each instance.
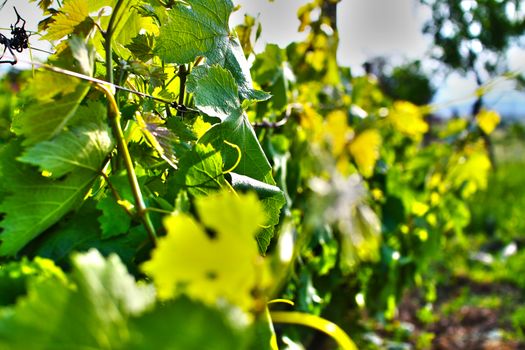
(108, 36)
(122, 147)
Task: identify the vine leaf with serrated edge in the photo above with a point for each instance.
(215, 92)
(79, 148)
(203, 30)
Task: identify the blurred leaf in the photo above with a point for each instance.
(408, 119)
(209, 267)
(177, 325)
(488, 120)
(365, 150)
(91, 315)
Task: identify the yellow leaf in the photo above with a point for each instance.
(365, 150)
(337, 131)
(470, 173)
(312, 122)
(71, 15)
(408, 119)
(488, 121)
(215, 260)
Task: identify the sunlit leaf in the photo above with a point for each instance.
(488, 121)
(79, 148)
(215, 91)
(365, 150)
(41, 121)
(92, 313)
(73, 13)
(408, 119)
(158, 136)
(201, 171)
(202, 29)
(225, 264)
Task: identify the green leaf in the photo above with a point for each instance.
(114, 219)
(79, 148)
(237, 130)
(272, 199)
(215, 91)
(178, 325)
(236, 63)
(269, 71)
(202, 30)
(83, 53)
(80, 233)
(215, 94)
(93, 315)
(129, 25)
(141, 47)
(35, 203)
(199, 30)
(201, 171)
(15, 275)
(44, 120)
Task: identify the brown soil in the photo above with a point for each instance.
(469, 327)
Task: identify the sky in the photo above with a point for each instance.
(367, 28)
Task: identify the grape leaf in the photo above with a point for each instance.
(189, 261)
(80, 233)
(73, 13)
(272, 199)
(200, 171)
(236, 63)
(114, 219)
(44, 120)
(215, 94)
(141, 46)
(15, 275)
(215, 91)
(237, 130)
(79, 148)
(177, 325)
(93, 315)
(199, 30)
(158, 136)
(35, 202)
(202, 30)
(269, 71)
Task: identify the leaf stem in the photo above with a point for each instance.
(122, 147)
(183, 74)
(108, 37)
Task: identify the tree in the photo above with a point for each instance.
(473, 36)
